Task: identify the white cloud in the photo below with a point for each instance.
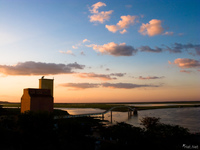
(152, 28)
(122, 24)
(114, 49)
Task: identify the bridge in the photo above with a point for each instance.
(131, 111)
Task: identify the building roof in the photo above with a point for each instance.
(39, 92)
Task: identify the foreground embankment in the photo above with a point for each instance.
(41, 131)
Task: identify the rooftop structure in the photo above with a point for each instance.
(46, 84)
(38, 99)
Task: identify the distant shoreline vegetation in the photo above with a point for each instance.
(106, 106)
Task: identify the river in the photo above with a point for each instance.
(188, 117)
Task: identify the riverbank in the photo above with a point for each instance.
(107, 106)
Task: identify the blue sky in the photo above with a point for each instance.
(153, 44)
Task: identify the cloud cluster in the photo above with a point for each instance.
(85, 40)
(126, 85)
(193, 49)
(106, 85)
(80, 85)
(122, 24)
(186, 63)
(103, 77)
(67, 52)
(185, 71)
(178, 48)
(148, 49)
(152, 28)
(99, 16)
(95, 76)
(168, 33)
(80, 44)
(39, 68)
(150, 77)
(125, 50)
(118, 74)
(114, 49)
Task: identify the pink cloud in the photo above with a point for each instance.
(126, 85)
(67, 52)
(99, 16)
(122, 24)
(95, 76)
(86, 40)
(78, 86)
(96, 6)
(168, 33)
(186, 63)
(152, 28)
(114, 49)
(123, 31)
(39, 68)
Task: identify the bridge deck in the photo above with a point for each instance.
(93, 114)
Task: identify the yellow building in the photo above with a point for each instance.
(46, 84)
(38, 99)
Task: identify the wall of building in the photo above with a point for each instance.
(37, 100)
(25, 101)
(46, 84)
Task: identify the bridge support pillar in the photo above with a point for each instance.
(111, 116)
(102, 116)
(130, 112)
(135, 112)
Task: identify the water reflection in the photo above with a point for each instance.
(78, 111)
(174, 104)
(186, 117)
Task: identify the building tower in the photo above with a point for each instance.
(46, 84)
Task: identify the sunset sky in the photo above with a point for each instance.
(101, 51)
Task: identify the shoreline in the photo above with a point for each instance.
(107, 106)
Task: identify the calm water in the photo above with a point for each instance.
(185, 117)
